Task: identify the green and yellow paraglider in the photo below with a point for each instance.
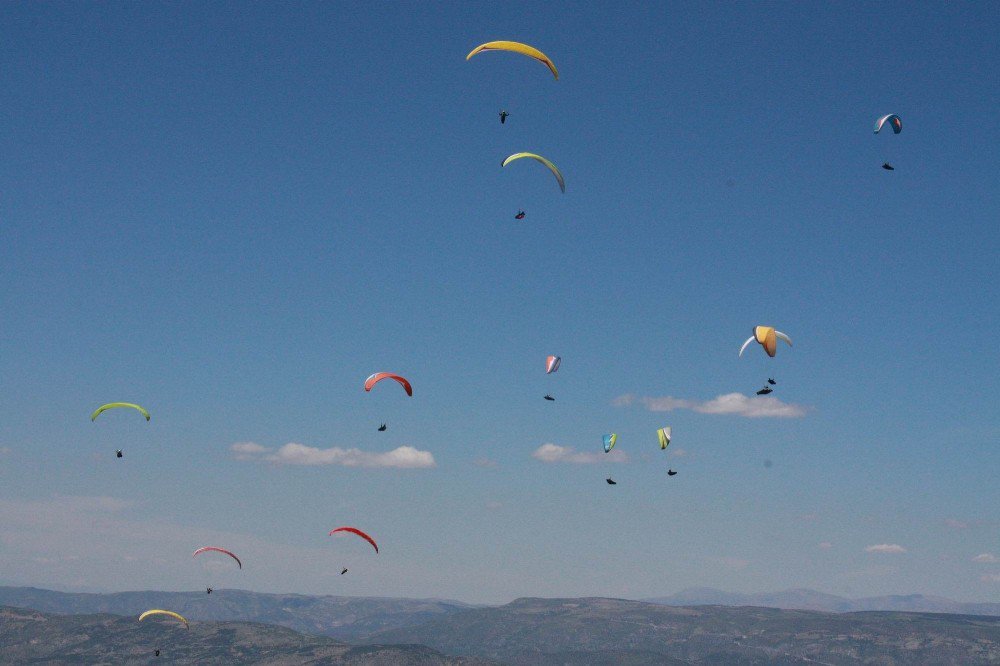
(115, 405)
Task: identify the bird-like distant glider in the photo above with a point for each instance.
(893, 120)
(516, 47)
(114, 405)
(552, 364)
(375, 378)
(611, 482)
(663, 434)
(888, 167)
(551, 167)
(765, 390)
(355, 530)
(767, 338)
(216, 549)
(172, 614)
(610, 441)
(671, 472)
(550, 398)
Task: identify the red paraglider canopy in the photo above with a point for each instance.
(355, 530)
(218, 550)
(379, 376)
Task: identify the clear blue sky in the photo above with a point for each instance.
(233, 213)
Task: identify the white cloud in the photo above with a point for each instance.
(404, 457)
(956, 524)
(825, 545)
(493, 505)
(735, 404)
(986, 558)
(248, 450)
(485, 462)
(4, 450)
(885, 548)
(553, 453)
(990, 578)
(677, 453)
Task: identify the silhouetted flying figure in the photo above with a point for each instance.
(381, 428)
(503, 117)
(611, 482)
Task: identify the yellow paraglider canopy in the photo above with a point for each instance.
(113, 405)
(517, 47)
(172, 614)
(551, 167)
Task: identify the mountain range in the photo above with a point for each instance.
(805, 599)
(235, 626)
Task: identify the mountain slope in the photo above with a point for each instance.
(543, 630)
(340, 617)
(29, 636)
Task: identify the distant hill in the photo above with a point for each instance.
(804, 599)
(340, 617)
(28, 636)
(615, 631)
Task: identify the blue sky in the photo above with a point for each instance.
(232, 214)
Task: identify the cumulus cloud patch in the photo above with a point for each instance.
(404, 457)
(553, 453)
(247, 450)
(888, 548)
(986, 558)
(733, 404)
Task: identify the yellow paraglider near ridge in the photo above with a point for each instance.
(517, 47)
(113, 405)
(172, 614)
(552, 167)
(663, 434)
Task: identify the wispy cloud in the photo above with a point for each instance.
(404, 457)
(887, 548)
(990, 578)
(493, 505)
(986, 558)
(956, 524)
(485, 462)
(553, 453)
(247, 450)
(734, 404)
(825, 545)
(736, 563)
